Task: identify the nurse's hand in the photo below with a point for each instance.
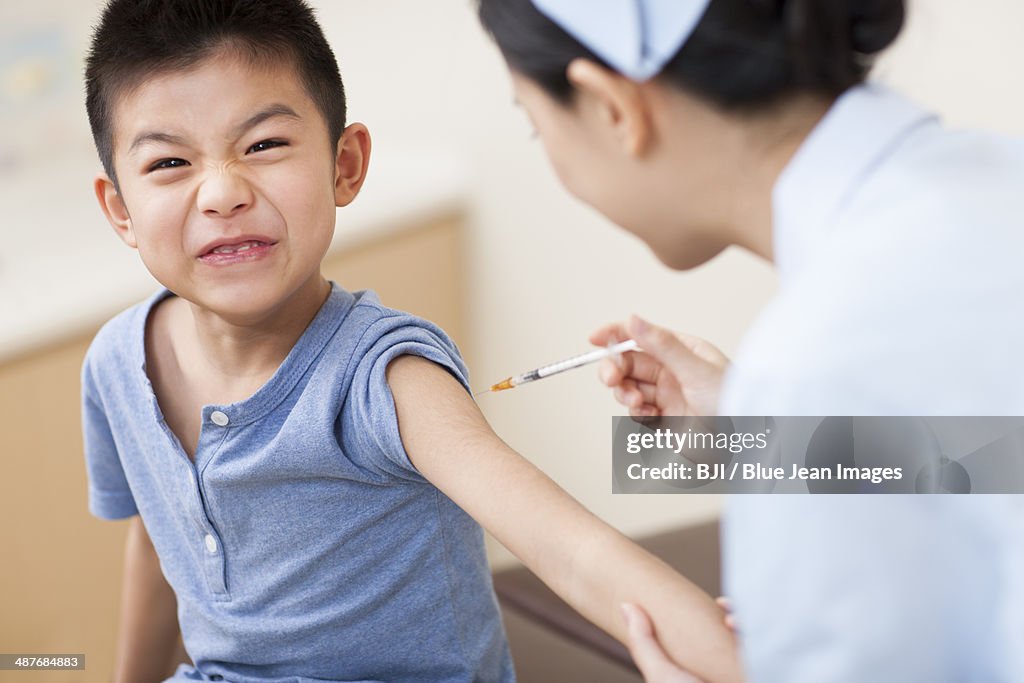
(675, 374)
(647, 654)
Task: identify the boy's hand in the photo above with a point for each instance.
(675, 374)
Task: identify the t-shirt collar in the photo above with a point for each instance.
(306, 349)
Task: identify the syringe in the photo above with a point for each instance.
(562, 366)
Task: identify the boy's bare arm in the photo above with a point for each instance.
(589, 564)
(147, 642)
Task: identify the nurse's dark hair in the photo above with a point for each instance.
(138, 39)
(743, 54)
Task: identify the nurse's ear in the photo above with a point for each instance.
(616, 100)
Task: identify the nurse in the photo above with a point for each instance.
(698, 124)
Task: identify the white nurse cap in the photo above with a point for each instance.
(636, 37)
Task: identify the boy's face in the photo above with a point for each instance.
(228, 154)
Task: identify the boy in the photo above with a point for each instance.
(299, 461)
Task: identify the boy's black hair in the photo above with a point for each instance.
(742, 56)
(137, 39)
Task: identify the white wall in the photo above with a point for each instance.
(965, 60)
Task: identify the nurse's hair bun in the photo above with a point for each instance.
(743, 55)
(875, 25)
(860, 26)
(830, 41)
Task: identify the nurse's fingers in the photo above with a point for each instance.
(726, 605)
(634, 365)
(627, 397)
(703, 349)
(636, 408)
(639, 393)
(610, 373)
(645, 411)
(668, 350)
(647, 653)
(634, 394)
(612, 333)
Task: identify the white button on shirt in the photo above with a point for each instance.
(899, 249)
(218, 418)
(211, 543)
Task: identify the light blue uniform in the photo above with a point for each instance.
(302, 544)
(900, 252)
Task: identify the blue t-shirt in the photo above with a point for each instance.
(302, 544)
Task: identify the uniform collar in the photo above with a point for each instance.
(863, 126)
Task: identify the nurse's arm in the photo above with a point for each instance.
(586, 562)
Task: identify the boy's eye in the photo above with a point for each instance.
(168, 163)
(266, 144)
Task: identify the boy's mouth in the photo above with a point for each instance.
(247, 248)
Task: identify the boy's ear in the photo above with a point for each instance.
(619, 103)
(114, 209)
(351, 163)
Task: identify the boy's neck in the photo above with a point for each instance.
(230, 355)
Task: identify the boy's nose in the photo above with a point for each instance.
(223, 194)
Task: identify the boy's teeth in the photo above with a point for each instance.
(230, 249)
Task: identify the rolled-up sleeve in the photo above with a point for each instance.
(370, 420)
